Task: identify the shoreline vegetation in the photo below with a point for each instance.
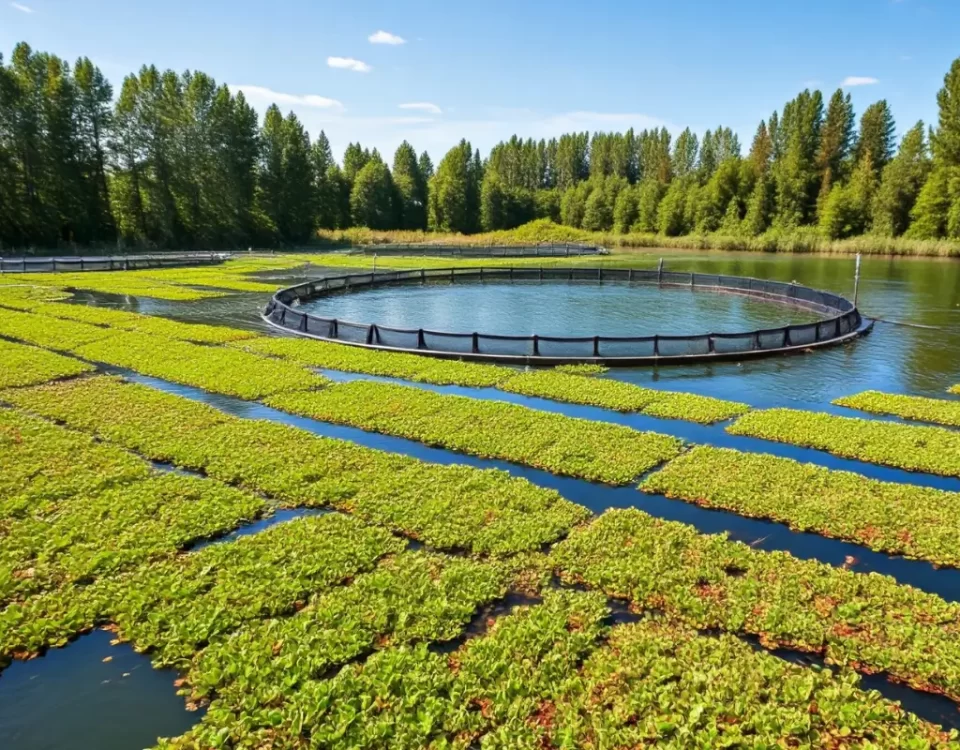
(545, 231)
(177, 161)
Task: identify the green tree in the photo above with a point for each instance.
(573, 204)
(946, 138)
(411, 188)
(373, 197)
(626, 210)
(685, 151)
(760, 207)
(597, 211)
(836, 143)
(877, 136)
(454, 193)
(901, 183)
(648, 204)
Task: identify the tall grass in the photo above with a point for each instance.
(804, 240)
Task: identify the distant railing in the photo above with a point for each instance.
(843, 321)
(108, 262)
(543, 250)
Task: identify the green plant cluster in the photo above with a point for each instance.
(199, 333)
(564, 383)
(27, 365)
(370, 362)
(582, 369)
(918, 408)
(216, 369)
(447, 507)
(659, 683)
(41, 464)
(619, 396)
(521, 685)
(917, 522)
(414, 596)
(85, 536)
(62, 335)
(563, 445)
(708, 582)
(172, 608)
(934, 450)
(122, 282)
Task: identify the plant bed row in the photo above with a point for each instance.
(919, 408)
(559, 385)
(595, 451)
(869, 622)
(41, 464)
(86, 536)
(174, 607)
(554, 675)
(917, 522)
(447, 507)
(934, 450)
(28, 365)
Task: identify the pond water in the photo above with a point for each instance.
(89, 695)
(556, 308)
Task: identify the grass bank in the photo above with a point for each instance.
(803, 240)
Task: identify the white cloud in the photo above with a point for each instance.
(385, 37)
(348, 63)
(859, 81)
(433, 109)
(263, 95)
(21, 8)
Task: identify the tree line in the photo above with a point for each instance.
(178, 161)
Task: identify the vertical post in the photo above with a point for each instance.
(596, 346)
(856, 282)
(476, 343)
(421, 343)
(374, 264)
(660, 272)
(536, 345)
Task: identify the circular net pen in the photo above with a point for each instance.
(841, 320)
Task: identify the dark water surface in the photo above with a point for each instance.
(72, 698)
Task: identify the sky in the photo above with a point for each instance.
(381, 71)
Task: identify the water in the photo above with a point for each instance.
(73, 698)
(555, 308)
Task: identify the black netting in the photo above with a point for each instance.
(280, 312)
(557, 347)
(733, 343)
(356, 333)
(614, 347)
(771, 339)
(397, 339)
(448, 342)
(513, 347)
(803, 335)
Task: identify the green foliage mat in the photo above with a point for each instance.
(912, 447)
(918, 522)
(938, 410)
(448, 507)
(867, 621)
(563, 445)
(28, 365)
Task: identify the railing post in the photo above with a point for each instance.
(81, 262)
(476, 343)
(421, 342)
(536, 345)
(786, 336)
(691, 279)
(711, 346)
(334, 329)
(303, 323)
(755, 343)
(656, 345)
(660, 272)
(596, 346)
(370, 333)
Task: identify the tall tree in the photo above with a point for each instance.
(685, 150)
(877, 136)
(411, 188)
(836, 143)
(900, 185)
(373, 197)
(455, 192)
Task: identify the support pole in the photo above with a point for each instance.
(660, 272)
(856, 282)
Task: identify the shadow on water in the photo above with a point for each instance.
(73, 698)
(765, 535)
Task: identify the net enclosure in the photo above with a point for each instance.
(841, 320)
(67, 263)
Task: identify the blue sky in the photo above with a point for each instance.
(487, 70)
